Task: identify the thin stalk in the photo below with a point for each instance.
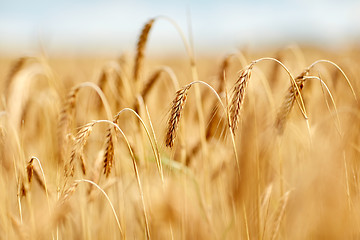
(101, 95)
(109, 201)
(136, 173)
(153, 147)
(342, 72)
(301, 105)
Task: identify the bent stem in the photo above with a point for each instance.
(227, 112)
(109, 201)
(101, 95)
(293, 82)
(153, 144)
(323, 85)
(135, 170)
(45, 184)
(341, 71)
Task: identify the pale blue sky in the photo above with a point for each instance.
(113, 26)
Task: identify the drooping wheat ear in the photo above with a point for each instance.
(30, 170)
(289, 101)
(140, 49)
(77, 151)
(238, 96)
(33, 172)
(109, 153)
(214, 119)
(175, 114)
(109, 149)
(66, 118)
(67, 193)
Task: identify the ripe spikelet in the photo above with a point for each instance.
(30, 170)
(77, 152)
(109, 153)
(238, 96)
(67, 193)
(288, 102)
(177, 106)
(141, 48)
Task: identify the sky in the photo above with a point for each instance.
(112, 26)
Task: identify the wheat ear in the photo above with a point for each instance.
(289, 101)
(109, 153)
(175, 114)
(77, 152)
(30, 170)
(238, 96)
(140, 49)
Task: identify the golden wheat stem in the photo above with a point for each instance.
(154, 136)
(323, 85)
(348, 195)
(342, 72)
(302, 107)
(101, 95)
(153, 147)
(109, 201)
(266, 201)
(280, 215)
(135, 170)
(43, 175)
(246, 222)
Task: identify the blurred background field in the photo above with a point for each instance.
(66, 64)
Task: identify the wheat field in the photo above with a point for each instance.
(250, 145)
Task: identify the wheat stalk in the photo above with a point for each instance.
(279, 215)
